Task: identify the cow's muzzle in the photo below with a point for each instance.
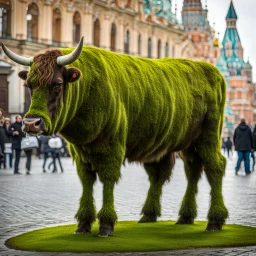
(33, 126)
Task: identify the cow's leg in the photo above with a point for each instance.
(86, 213)
(109, 175)
(158, 174)
(193, 168)
(215, 170)
(208, 147)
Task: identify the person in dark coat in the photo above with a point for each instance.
(243, 145)
(254, 147)
(17, 135)
(229, 145)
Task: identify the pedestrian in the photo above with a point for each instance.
(1, 117)
(28, 153)
(55, 143)
(254, 147)
(223, 146)
(45, 149)
(243, 145)
(17, 135)
(5, 139)
(229, 145)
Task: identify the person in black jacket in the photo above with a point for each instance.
(17, 135)
(229, 145)
(243, 145)
(254, 147)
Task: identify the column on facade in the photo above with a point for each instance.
(134, 39)
(105, 30)
(87, 24)
(16, 99)
(67, 27)
(120, 35)
(20, 20)
(144, 43)
(46, 24)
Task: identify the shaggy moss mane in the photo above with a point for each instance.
(43, 67)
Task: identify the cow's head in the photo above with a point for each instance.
(47, 80)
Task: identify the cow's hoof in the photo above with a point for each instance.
(183, 220)
(83, 229)
(148, 218)
(106, 230)
(213, 227)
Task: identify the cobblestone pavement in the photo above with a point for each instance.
(38, 200)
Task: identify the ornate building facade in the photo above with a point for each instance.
(241, 99)
(147, 29)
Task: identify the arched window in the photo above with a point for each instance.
(113, 38)
(166, 50)
(127, 42)
(76, 27)
(5, 18)
(159, 49)
(96, 33)
(56, 27)
(149, 48)
(32, 22)
(139, 44)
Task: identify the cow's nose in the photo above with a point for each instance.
(34, 125)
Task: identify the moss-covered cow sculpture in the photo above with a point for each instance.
(111, 107)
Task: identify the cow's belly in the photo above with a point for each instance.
(145, 148)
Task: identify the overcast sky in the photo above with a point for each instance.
(246, 23)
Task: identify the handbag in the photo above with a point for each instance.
(7, 148)
(55, 143)
(29, 142)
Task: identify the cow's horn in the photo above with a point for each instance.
(69, 58)
(17, 58)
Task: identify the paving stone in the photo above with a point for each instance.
(50, 199)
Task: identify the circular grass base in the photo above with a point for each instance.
(130, 236)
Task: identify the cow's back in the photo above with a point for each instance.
(160, 103)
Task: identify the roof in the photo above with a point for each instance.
(247, 65)
(231, 12)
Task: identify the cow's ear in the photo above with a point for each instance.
(23, 74)
(72, 74)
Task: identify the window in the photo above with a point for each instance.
(96, 33)
(56, 27)
(139, 44)
(76, 27)
(127, 42)
(159, 49)
(149, 48)
(113, 38)
(5, 18)
(32, 22)
(166, 50)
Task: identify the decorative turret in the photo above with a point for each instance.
(194, 17)
(231, 43)
(248, 71)
(162, 9)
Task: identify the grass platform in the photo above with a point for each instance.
(130, 236)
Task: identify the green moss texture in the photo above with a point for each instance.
(141, 110)
(133, 237)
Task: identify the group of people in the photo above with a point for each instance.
(11, 136)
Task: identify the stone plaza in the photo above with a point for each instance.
(29, 202)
